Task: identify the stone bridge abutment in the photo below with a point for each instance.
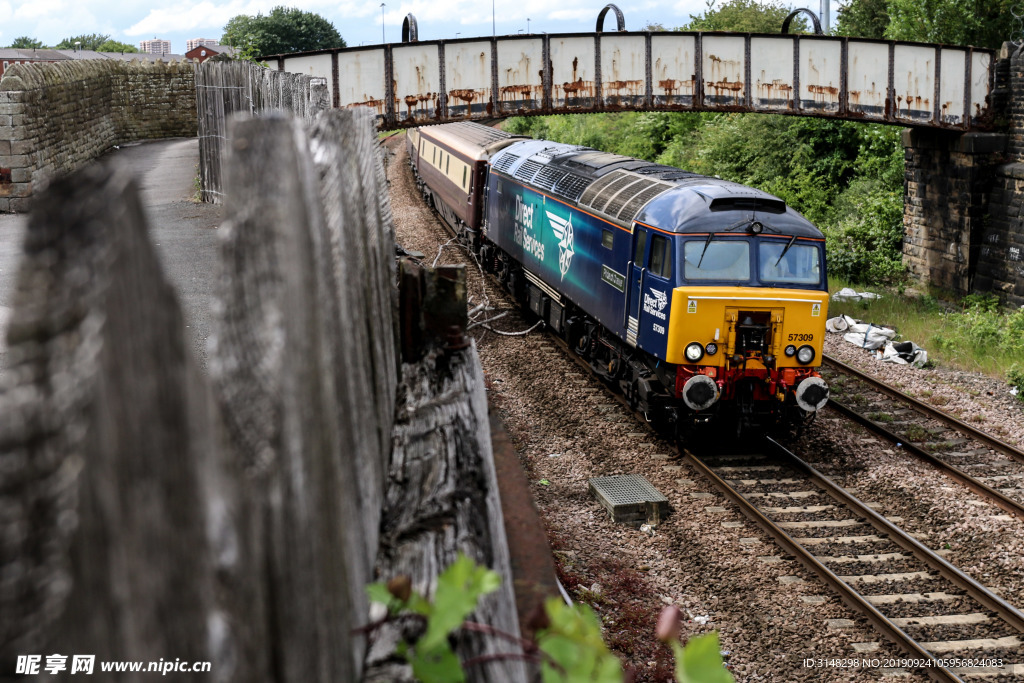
(963, 211)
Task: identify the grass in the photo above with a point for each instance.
(916, 433)
(968, 333)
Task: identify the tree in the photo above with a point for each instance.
(863, 18)
(115, 46)
(88, 42)
(282, 31)
(958, 22)
(26, 43)
(745, 16)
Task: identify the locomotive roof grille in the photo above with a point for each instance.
(618, 201)
(632, 208)
(621, 194)
(595, 189)
(604, 198)
(505, 162)
(550, 153)
(548, 177)
(527, 170)
(571, 186)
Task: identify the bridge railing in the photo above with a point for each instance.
(414, 83)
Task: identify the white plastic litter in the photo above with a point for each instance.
(848, 294)
(869, 336)
(904, 353)
(840, 323)
(878, 340)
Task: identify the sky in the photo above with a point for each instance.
(358, 22)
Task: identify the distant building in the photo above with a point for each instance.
(156, 47)
(193, 43)
(200, 53)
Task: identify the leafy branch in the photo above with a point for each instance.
(567, 647)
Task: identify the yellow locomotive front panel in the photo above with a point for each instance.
(748, 347)
(714, 315)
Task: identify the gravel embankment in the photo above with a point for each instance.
(705, 557)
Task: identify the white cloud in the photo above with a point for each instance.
(198, 16)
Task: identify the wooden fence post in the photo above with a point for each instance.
(442, 497)
(109, 447)
(304, 358)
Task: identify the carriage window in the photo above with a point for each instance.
(641, 244)
(465, 170)
(448, 164)
(433, 156)
(661, 264)
(716, 260)
(797, 264)
(607, 239)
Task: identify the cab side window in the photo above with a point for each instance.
(641, 244)
(661, 263)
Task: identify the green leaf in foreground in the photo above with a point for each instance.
(700, 661)
(573, 641)
(459, 588)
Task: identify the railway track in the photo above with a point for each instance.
(988, 466)
(950, 626)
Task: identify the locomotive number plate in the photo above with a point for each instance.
(801, 337)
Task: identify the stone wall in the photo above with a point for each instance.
(946, 195)
(1001, 253)
(56, 117)
(963, 212)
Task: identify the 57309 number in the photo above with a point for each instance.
(801, 337)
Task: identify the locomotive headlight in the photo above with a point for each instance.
(711, 349)
(790, 351)
(805, 354)
(694, 352)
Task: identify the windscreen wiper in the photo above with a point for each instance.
(788, 245)
(707, 243)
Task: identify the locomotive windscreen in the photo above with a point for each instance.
(789, 264)
(716, 260)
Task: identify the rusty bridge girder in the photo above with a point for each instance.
(415, 83)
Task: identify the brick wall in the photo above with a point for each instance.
(56, 117)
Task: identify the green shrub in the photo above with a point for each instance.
(1015, 377)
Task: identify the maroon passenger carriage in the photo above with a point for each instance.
(451, 166)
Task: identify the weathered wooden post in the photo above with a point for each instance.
(110, 481)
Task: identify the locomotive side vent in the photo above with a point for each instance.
(753, 332)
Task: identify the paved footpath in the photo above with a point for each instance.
(184, 232)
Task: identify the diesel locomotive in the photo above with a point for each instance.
(701, 300)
